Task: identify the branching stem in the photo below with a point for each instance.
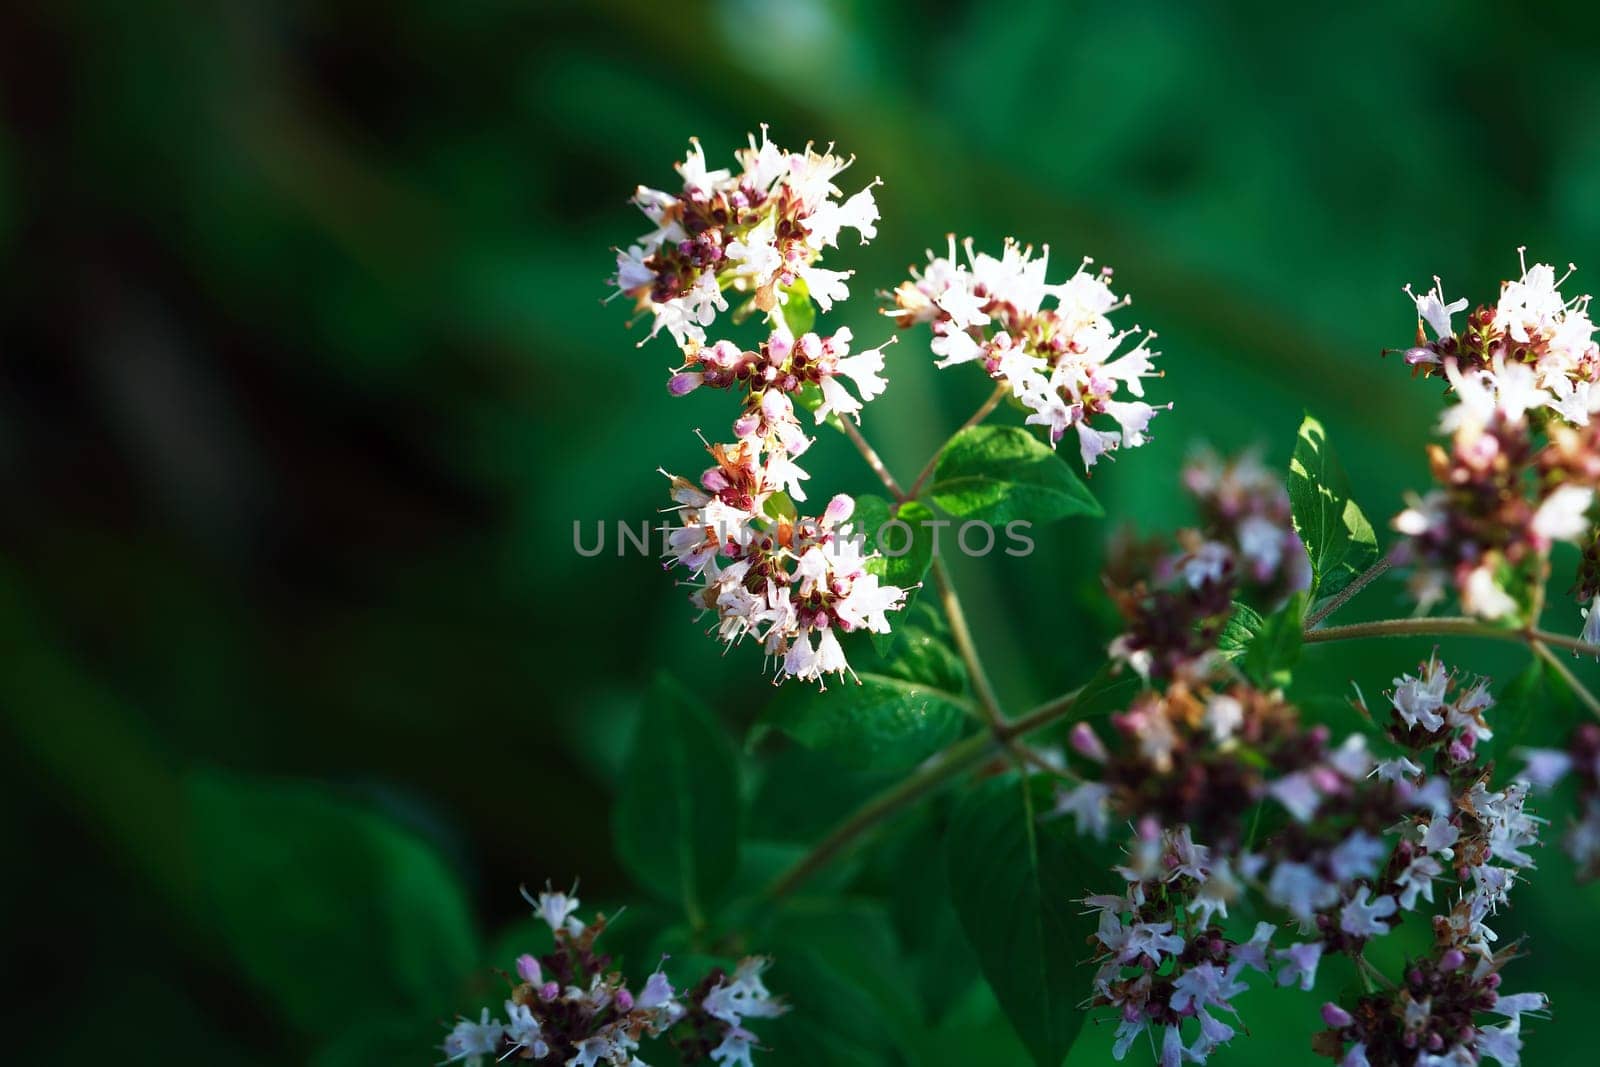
(959, 757)
(1348, 593)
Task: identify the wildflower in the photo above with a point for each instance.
(760, 232)
(469, 1040)
(592, 1019)
(1533, 347)
(1061, 362)
(1362, 915)
(795, 584)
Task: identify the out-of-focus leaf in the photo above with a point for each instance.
(837, 961)
(1337, 535)
(336, 914)
(1242, 628)
(884, 723)
(677, 817)
(1273, 651)
(1013, 882)
(999, 474)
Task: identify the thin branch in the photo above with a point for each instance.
(978, 416)
(1348, 593)
(874, 460)
(959, 757)
(1583, 693)
(962, 636)
(1448, 626)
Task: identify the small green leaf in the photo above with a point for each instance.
(334, 912)
(1001, 474)
(1242, 627)
(1337, 535)
(677, 816)
(885, 723)
(780, 506)
(799, 313)
(1275, 649)
(905, 547)
(1014, 883)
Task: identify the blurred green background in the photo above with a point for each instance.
(305, 377)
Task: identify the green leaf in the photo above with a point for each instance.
(906, 550)
(885, 723)
(1014, 884)
(1242, 628)
(334, 912)
(853, 938)
(1001, 474)
(1337, 535)
(799, 313)
(1537, 699)
(1274, 650)
(677, 816)
(926, 657)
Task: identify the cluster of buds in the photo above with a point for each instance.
(1244, 506)
(758, 232)
(781, 366)
(1531, 326)
(1524, 461)
(792, 582)
(1160, 965)
(1060, 362)
(1580, 760)
(1352, 844)
(1175, 600)
(1202, 759)
(1174, 604)
(568, 1008)
(1433, 1018)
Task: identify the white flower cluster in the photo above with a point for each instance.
(734, 999)
(1523, 462)
(793, 583)
(759, 231)
(1365, 843)
(590, 1020)
(1061, 362)
(1533, 349)
(1160, 968)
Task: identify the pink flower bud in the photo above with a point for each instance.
(528, 969)
(1087, 743)
(1336, 1016)
(745, 425)
(839, 509)
(624, 1001)
(714, 480)
(549, 991)
(685, 382)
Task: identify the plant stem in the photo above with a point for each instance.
(1539, 641)
(1448, 626)
(959, 757)
(1584, 695)
(962, 636)
(1348, 593)
(874, 460)
(976, 417)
